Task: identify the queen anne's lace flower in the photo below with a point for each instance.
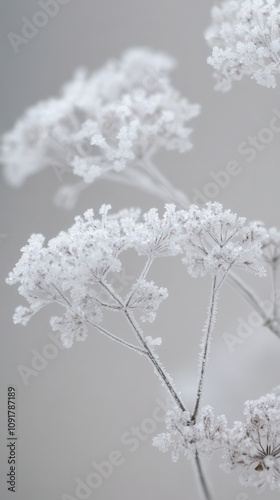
(245, 36)
(253, 447)
(74, 265)
(217, 238)
(188, 438)
(103, 122)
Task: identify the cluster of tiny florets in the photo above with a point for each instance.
(253, 447)
(185, 437)
(73, 266)
(245, 40)
(218, 238)
(102, 122)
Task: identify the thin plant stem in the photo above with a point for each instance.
(116, 339)
(275, 280)
(172, 193)
(158, 368)
(206, 344)
(201, 477)
(254, 301)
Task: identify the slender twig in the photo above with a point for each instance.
(201, 478)
(206, 344)
(159, 369)
(117, 339)
(172, 193)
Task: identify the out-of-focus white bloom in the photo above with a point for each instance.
(103, 122)
(186, 438)
(219, 239)
(271, 247)
(245, 36)
(253, 447)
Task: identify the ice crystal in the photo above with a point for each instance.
(102, 122)
(253, 447)
(245, 38)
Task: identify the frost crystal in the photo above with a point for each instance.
(245, 38)
(253, 447)
(185, 437)
(103, 122)
(217, 238)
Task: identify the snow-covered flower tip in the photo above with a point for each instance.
(101, 122)
(253, 447)
(218, 239)
(245, 40)
(185, 437)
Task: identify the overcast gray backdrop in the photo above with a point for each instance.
(75, 411)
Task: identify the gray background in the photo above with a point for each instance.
(77, 408)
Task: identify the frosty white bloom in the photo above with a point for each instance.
(245, 38)
(186, 438)
(157, 236)
(218, 239)
(253, 447)
(75, 268)
(102, 123)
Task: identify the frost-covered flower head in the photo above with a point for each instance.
(187, 438)
(218, 239)
(253, 447)
(245, 37)
(71, 270)
(102, 122)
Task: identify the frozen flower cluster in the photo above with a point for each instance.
(102, 122)
(245, 40)
(253, 447)
(75, 267)
(185, 437)
(219, 239)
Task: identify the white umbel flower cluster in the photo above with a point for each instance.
(185, 437)
(74, 269)
(102, 122)
(245, 40)
(219, 239)
(253, 447)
